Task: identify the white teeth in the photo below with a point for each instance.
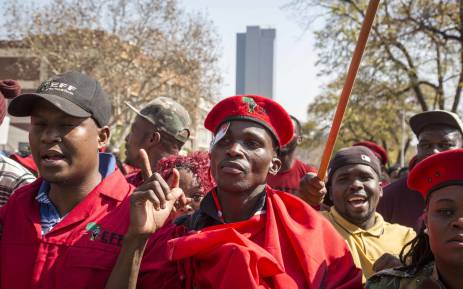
(356, 199)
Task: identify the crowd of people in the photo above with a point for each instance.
(246, 214)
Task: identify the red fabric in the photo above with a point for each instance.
(66, 257)
(27, 162)
(437, 170)
(253, 107)
(135, 179)
(288, 181)
(290, 246)
(378, 150)
(129, 170)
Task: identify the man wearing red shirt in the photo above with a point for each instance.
(66, 229)
(292, 169)
(245, 234)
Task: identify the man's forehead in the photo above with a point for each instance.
(439, 130)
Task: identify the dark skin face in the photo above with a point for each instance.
(192, 189)
(138, 138)
(65, 148)
(355, 191)
(444, 220)
(144, 135)
(240, 164)
(437, 138)
(243, 158)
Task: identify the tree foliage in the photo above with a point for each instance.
(412, 62)
(137, 49)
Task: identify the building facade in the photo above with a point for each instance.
(255, 61)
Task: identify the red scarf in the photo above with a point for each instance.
(290, 246)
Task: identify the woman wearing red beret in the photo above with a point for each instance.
(435, 259)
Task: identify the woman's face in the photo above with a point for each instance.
(444, 220)
(192, 189)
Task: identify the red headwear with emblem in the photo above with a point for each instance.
(437, 171)
(259, 109)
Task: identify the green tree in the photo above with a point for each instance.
(137, 49)
(413, 62)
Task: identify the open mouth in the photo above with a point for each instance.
(357, 201)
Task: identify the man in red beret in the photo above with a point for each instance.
(12, 174)
(245, 234)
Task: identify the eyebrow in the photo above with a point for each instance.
(445, 201)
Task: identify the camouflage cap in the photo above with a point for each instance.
(168, 116)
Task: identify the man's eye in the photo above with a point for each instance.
(197, 198)
(252, 144)
(445, 212)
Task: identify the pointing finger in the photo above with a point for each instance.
(145, 165)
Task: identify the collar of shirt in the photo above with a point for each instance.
(49, 214)
(377, 230)
(207, 214)
(209, 208)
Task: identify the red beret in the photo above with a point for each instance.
(378, 150)
(437, 171)
(259, 109)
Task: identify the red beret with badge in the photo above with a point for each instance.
(259, 109)
(437, 171)
(378, 150)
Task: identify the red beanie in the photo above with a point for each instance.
(8, 89)
(262, 110)
(378, 150)
(437, 171)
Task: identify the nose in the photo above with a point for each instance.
(51, 135)
(458, 223)
(356, 185)
(234, 150)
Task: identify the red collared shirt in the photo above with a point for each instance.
(79, 252)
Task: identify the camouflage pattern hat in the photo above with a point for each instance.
(168, 116)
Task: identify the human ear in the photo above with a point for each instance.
(275, 166)
(103, 136)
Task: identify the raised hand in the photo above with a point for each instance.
(312, 189)
(153, 201)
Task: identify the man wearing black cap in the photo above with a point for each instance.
(161, 128)
(436, 131)
(354, 187)
(65, 229)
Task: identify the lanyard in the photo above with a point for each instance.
(217, 205)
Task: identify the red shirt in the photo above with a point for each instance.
(289, 245)
(288, 181)
(79, 252)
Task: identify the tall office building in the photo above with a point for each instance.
(254, 61)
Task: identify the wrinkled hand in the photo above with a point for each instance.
(385, 262)
(153, 201)
(311, 189)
